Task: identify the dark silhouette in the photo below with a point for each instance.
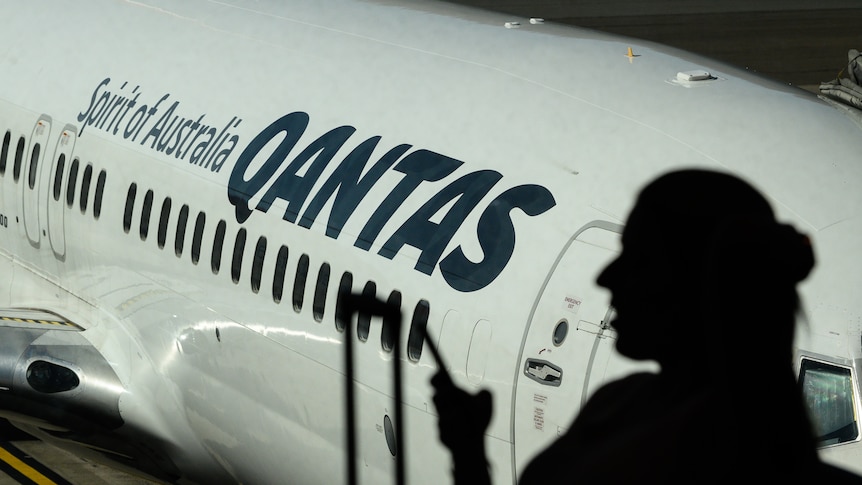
(706, 286)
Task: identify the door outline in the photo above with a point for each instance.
(55, 209)
(596, 224)
(31, 182)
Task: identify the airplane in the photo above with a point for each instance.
(188, 190)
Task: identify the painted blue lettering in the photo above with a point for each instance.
(427, 229)
(194, 129)
(160, 129)
(178, 136)
(198, 153)
(116, 101)
(496, 235)
(136, 123)
(131, 104)
(91, 115)
(351, 189)
(420, 166)
(215, 145)
(222, 155)
(432, 238)
(240, 191)
(293, 188)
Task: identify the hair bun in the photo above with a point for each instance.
(756, 251)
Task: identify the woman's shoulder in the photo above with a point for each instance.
(620, 399)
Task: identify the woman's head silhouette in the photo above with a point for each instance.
(703, 253)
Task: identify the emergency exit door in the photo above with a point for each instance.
(568, 341)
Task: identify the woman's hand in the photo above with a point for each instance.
(463, 420)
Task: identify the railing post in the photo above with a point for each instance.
(353, 303)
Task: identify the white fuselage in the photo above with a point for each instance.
(260, 156)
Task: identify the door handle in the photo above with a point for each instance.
(543, 372)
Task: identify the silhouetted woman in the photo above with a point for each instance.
(706, 286)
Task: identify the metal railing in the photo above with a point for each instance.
(354, 303)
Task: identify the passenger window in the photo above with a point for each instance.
(299, 283)
(387, 336)
(320, 289)
(345, 288)
(416, 339)
(828, 393)
(58, 177)
(34, 165)
(145, 214)
(4, 152)
(85, 187)
(19, 157)
(278, 277)
(130, 207)
(257, 264)
(164, 218)
(218, 243)
(182, 222)
(198, 237)
(73, 181)
(238, 250)
(363, 324)
(100, 191)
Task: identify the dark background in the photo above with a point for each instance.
(794, 41)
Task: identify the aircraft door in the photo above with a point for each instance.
(52, 192)
(31, 177)
(565, 336)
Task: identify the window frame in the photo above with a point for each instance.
(4, 151)
(129, 211)
(822, 362)
(86, 180)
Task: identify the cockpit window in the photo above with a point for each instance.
(828, 393)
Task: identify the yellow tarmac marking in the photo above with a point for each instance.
(25, 469)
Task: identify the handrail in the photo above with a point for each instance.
(353, 303)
